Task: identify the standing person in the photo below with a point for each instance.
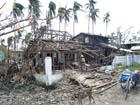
(83, 63)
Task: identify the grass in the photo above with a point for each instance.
(132, 68)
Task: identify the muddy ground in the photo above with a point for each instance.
(60, 94)
(115, 96)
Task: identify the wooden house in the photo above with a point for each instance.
(94, 43)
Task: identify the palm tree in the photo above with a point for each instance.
(52, 8)
(93, 18)
(34, 11)
(76, 7)
(17, 11)
(90, 6)
(34, 8)
(106, 20)
(61, 12)
(2, 41)
(27, 38)
(9, 41)
(51, 12)
(18, 37)
(67, 16)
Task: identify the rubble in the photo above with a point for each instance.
(62, 93)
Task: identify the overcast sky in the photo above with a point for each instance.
(124, 13)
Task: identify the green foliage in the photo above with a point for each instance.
(93, 14)
(120, 65)
(132, 68)
(91, 4)
(106, 17)
(27, 38)
(61, 12)
(17, 10)
(76, 7)
(3, 48)
(136, 64)
(52, 8)
(34, 7)
(67, 15)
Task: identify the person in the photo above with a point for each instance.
(137, 73)
(42, 70)
(37, 68)
(83, 63)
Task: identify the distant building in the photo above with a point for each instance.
(95, 43)
(16, 55)
(131, 45)
(89, 39)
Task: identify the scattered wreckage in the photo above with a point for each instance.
(78, 62)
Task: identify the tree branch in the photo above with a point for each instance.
(13, 23)
(15, 29)
(2, 5)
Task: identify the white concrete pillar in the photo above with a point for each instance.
(48, 69)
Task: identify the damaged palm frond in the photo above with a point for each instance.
(34, 8)
(17, 10)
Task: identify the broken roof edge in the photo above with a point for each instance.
(115, 47)
(88, 34)
(135, 48)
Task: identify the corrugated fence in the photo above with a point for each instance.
(127, 60)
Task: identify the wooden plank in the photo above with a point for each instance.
(110, 86)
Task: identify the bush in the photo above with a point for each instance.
(136, 64)
(120, 65)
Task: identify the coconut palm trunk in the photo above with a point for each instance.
(73, 27)
(93, 17)
(59, 26)
(106, 29)
(92, 27)
(34, 11)
(8, 53)
(88, 24)
(106, 20)
(76, 7)
(65, 25)
(17, 11)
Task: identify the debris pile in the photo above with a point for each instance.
(62, 93)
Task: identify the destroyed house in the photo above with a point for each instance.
(95, 44)
(132, 45)
(89, 39)
(63, 53)
(67, 54)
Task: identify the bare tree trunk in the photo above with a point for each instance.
(106, 30)
(65, 26)
(92, 27)
(59, 29)
(59, 26)
(50, 28)
(8, 53)
(15, 44)
(15, 38)
(88, 24)
(65, 29)
(73, 28)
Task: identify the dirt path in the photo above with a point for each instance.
(115, 96)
